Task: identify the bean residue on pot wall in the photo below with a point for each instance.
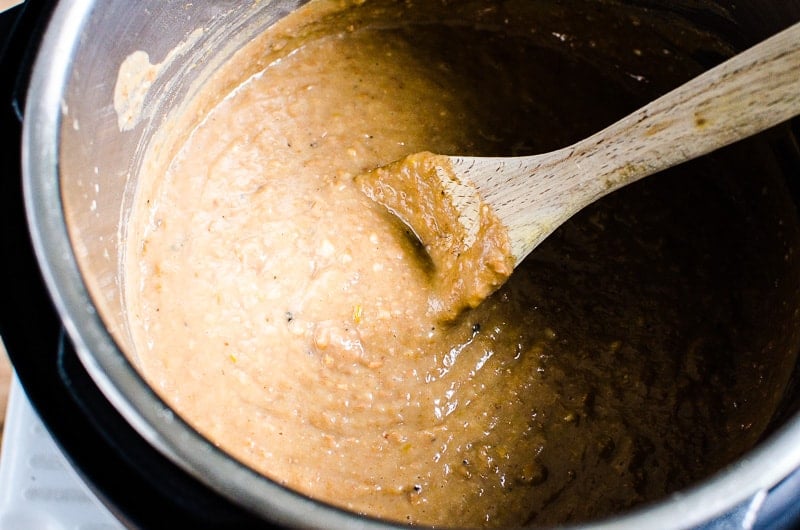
(135, 78)
(639, 349)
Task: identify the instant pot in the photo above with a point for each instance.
(66, 163)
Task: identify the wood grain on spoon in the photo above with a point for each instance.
(479, 217)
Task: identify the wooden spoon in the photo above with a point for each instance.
(478, 218)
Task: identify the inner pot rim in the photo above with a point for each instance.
(748, 478)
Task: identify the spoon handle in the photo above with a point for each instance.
(745, 95)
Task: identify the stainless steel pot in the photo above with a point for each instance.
(79, 173)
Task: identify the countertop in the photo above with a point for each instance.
(5, 384)
(6, 4)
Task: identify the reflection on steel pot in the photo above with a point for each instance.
(109, 76)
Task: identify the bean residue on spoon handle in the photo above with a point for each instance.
(469, 247)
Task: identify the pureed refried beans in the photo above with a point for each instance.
(282, 313)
